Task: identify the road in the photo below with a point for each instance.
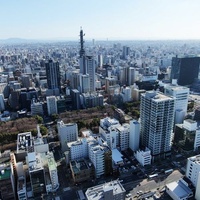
(134, 186)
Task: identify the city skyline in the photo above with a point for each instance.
(101, 20)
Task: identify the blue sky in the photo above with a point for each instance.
(100, 19)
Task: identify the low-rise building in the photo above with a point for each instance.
(143, 157)
(82, 170)
(111, 190)
(179, 190)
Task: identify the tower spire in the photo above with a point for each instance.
(82, 50)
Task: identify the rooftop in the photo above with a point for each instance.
(79, 165)
(97, 192)
(179, 189)
(5, 174)
(24, 141)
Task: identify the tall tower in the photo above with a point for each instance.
(82, 50)
(157, 117)
(82, 54)
(53, 74)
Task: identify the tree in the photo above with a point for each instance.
(39, 119)
(54, 117)
(43, 130)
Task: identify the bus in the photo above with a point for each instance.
(168, 171)
(153, 176)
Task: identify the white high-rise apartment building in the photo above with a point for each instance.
(53, 171)
(78, 149)
(181, 102)
(134, 135)
(52, 105)
(157, 117)
(96, 155)
(108, 130)
(123, 136)
(67, 133)
(193, 169)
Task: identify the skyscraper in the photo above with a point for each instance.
(90, 68)
(53, 74)
(157, 117)
(185, 69)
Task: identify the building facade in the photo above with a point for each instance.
(157, 117)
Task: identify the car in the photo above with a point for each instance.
(128, 195)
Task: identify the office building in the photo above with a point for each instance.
(26, 81)
(37, 174)
(193, 169)
(67, 133)
(125, 52)
(52, 105)
(181, 95)
(126, 94)
(82, 170)
(75, 96)
(53, 74)
(185, 69)
(157, 117)
(90, 66)
(134, 135)
(107, 191)
(92, 100)
(85, 83)
(187, 135)
(36, 108)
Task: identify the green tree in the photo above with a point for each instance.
(39, 119)
(54, 117)
(43, 130)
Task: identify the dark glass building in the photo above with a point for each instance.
(185, 69)
(53, 74)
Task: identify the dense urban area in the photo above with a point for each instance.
(99, 120)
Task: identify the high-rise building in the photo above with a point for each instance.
(53, 74)
(2, 104)
(75, 95)
(52, 105)
(134, 135)
(185, 69)
(157, 117)
(90, 66)
(125, 52)
(36, 108)
(181, 103)
(53, 171)
(67, 133)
